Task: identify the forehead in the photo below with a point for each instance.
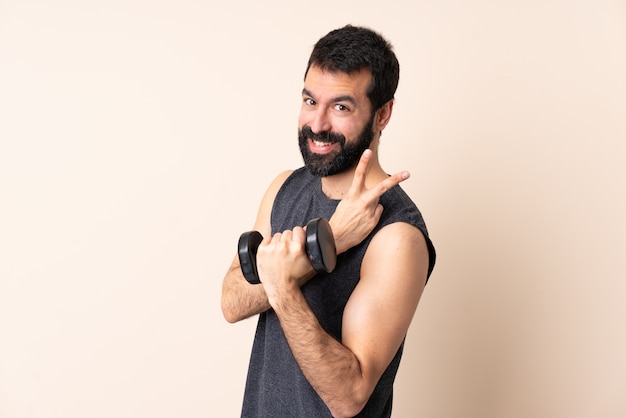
(325, 84)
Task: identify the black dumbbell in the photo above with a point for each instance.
(320, 248)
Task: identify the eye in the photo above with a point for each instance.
(341, 108)
(308, 101)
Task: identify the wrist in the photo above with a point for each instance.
(278, 298)
(340, 244)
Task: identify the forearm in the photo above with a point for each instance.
(330, 367)
(240, 299)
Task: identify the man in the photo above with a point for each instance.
(330, 344)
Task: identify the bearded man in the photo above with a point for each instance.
(329, 344)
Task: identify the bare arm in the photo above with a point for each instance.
(240, 300)
(375, 319)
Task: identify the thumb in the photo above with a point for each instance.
(378, 212)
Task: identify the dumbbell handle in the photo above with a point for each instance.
(319, 244)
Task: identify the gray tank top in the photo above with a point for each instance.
(275, 386)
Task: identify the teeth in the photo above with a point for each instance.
(320, 143)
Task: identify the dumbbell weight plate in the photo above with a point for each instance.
(320, 245)
(248, 245)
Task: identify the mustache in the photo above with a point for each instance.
(326, 136)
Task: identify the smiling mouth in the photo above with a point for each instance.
(321, 143)
(322, 147)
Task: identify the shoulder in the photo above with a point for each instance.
(402, 220)
(401, 247)
(279, 180)
(276, 185)
(399, 235)
(297, 186)
(399, 207)
(296, 178)
(262, 223)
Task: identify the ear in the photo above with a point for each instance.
(381, 119)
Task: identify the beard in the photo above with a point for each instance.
(322, 165)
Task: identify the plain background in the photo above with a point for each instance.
(137, 137)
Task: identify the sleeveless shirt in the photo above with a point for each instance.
(275, 385)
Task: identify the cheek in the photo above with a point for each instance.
(351, 132)
(344, 126)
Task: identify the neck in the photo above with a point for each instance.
(337, 185)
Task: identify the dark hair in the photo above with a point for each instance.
(351, 49)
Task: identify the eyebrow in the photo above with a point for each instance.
(342, 98)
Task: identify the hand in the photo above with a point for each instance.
(359, 211)
(282, 262)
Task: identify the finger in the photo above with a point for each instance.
(267, 240)
(268, 243)
(378, 212)
(273, 239)
(298, 234)
(361, 169)
(390, 182)
(287, 235)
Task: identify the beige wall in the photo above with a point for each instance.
(136, 138)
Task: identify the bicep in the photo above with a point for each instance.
(380, 309)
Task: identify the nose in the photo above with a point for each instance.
(320, 121)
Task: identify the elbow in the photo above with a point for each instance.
(348, 409)
(229, 313)
(229, 318)
(350, 405)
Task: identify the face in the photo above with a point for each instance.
(336, 121)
